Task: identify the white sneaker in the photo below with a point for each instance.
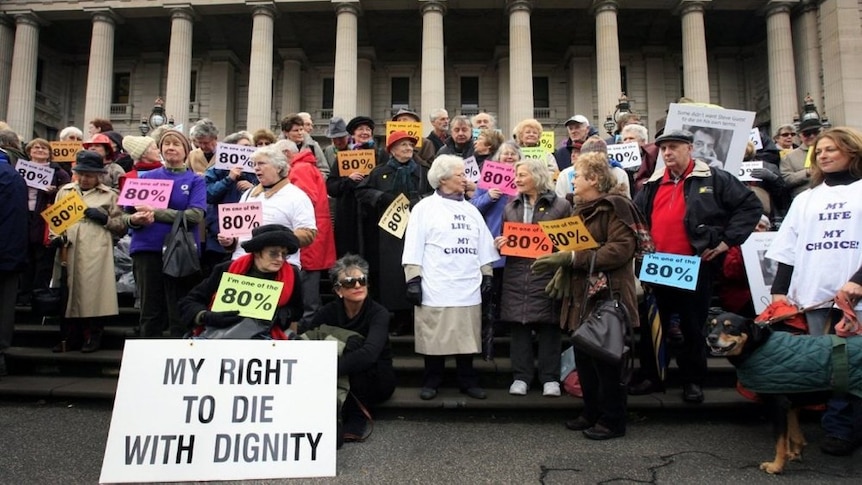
(550, 389)
(518, 388)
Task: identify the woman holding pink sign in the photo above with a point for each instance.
(524, 302)
(150, 227)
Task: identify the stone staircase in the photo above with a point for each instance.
(35, 371)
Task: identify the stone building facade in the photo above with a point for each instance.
(245, 64)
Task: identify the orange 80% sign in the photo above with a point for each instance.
(524, 240)
(65, 151)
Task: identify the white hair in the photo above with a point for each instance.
(275, 157)
(438, 113)
(71, 130)
(639, 131)
(443, 168)
(286, 145)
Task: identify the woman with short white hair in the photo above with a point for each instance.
(448, 251)
(283, 203)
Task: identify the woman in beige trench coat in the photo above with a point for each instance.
(88, 254)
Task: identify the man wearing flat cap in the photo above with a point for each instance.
(691, 209)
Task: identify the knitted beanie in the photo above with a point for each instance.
(135, 146)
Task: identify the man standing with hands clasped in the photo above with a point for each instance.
(691, 209)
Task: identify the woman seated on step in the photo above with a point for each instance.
(369, 366)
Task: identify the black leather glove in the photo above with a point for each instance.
(353, 343)
(221, 319)
(57, 242)
(414, 291)
(96, 215)
(485, 288)
(386, 199)
(764, 174)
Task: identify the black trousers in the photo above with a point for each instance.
(604, 393)
(435, 364)
(40, 266)
(692, 307)
(159, 296)
(523, 362)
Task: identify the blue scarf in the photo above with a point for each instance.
(403, 180)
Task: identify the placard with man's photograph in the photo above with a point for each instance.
(720, 135)
(760, 269)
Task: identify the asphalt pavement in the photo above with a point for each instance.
(62, 442)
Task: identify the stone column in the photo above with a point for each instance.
(809, 61)
(364, 83)
(100, 74)
(7, 40)
(260, 68)
(520, 62)
(607, 57)
(433, 81)
(346, 45)
(782, 75)
(694, 65)
(291, 80)
(179, 67)
(20, 114)
(842, 62)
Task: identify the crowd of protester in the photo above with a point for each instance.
(444, 278)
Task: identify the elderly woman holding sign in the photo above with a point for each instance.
(40, 196)
(400, 175)
(448, 251)
(265, 259)
(614, 223)
(87, 253)
(150, 227)
(524, 303)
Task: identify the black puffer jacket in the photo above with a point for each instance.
(524, 299)
(718, 207)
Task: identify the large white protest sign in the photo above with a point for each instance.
(760, 269)
(193, 410)
(720, 135)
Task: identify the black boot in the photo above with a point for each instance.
(71, 336)
(92, 338)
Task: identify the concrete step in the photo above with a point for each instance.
(55, 387)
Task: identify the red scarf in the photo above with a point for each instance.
(240, 266)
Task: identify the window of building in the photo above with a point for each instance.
(400, 92)
(193, 89)
(624, 79)
(541, 92)
(328, 93)
(122, 83)
(40, 74)
(470, 91)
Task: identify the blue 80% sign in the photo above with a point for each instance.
(671, 270)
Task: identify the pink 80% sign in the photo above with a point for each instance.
(152, 192)
(239, 219)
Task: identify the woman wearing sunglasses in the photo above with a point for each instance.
(369, 367)
(265, 258)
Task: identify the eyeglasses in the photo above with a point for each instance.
(810, 133)
(787, 134)
(353, 282)
(277, 253)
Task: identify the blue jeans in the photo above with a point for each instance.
(843, 416)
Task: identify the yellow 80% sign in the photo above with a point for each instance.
(569, 234)
(412, 128)
(252, 297)
(394, 219)
(64, 213)
(351, 161)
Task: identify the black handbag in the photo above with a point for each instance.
(47, 302)
(180, 253)
(245, 329)
(602, 334)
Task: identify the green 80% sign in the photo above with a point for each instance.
(252, 297)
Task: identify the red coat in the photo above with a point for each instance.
(733, 289)
(320, 255)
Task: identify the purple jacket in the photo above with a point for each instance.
(189, 192)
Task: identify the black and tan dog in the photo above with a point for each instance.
(787, 372)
